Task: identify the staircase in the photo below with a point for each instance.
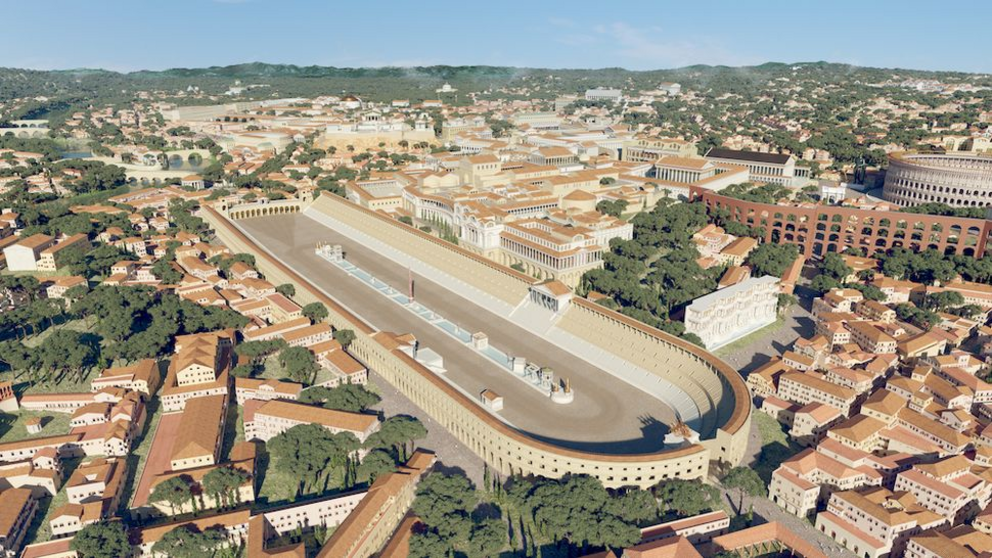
(533, 317)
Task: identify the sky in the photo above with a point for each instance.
(128, 35)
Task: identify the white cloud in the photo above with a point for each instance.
(578, 39)
(651, 48)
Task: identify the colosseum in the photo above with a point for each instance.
(955, 179)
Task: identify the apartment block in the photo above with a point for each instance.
(805, 388)
(875, 522)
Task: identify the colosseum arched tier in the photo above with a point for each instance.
(958, 180)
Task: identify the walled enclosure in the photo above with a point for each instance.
(716, 388)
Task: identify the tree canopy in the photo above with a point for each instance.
(447, 506)
(311, 453)
(185, 541)
(316, 311)
(346, 397)
(286, 289)
(174, 491)
(397, 433)
(772, 259)
(103, 539)
(579, 511)
(224, 484)
(687, 497)
(299, 364)
(657, 271)
(377, 463)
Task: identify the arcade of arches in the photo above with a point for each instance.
(818, 230)
(262, 209)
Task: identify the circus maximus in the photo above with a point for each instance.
(706, 392)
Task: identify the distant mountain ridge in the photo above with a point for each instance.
(265, 69)
(61, 91)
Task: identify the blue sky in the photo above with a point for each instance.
(129, 35)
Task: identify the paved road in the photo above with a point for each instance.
(772, 342)
(607, 415)
(451, 454)
(159, 458)
(798, 323)
(767, 511)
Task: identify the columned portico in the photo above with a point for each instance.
(552, 295)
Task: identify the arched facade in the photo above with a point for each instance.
(821, 229)
(261, 209)
(955, 179)
(24, 129)
(25, 132)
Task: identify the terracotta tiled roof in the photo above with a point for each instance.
(200, 426)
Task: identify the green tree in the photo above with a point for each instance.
(15, 355)
(174, 491)
(785, 301)
(941, 301)
(746, 481)
(923, 319)
(577, 509)
(488, 538)
(40, 313)
(375, 464)
(772, 259)
(969, 311)
(287, 290)
(833, 266)
(311, 453)
(164, 270)
(946, 210)
(224, 483)
(103, 539)
(256, 351)
(243, 371)
(68, 351)
(316, 311)
(634, 506)
(428, 545)
(346, 397)
(444, 503)
(186, 542)
(344, 337)
(823, 283)
(299, 364)
(687, 497)
(870, 292)
(397, 433)
(613, 208)
(925, 267)
(440, 495)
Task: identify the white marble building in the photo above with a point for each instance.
(729, 314)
